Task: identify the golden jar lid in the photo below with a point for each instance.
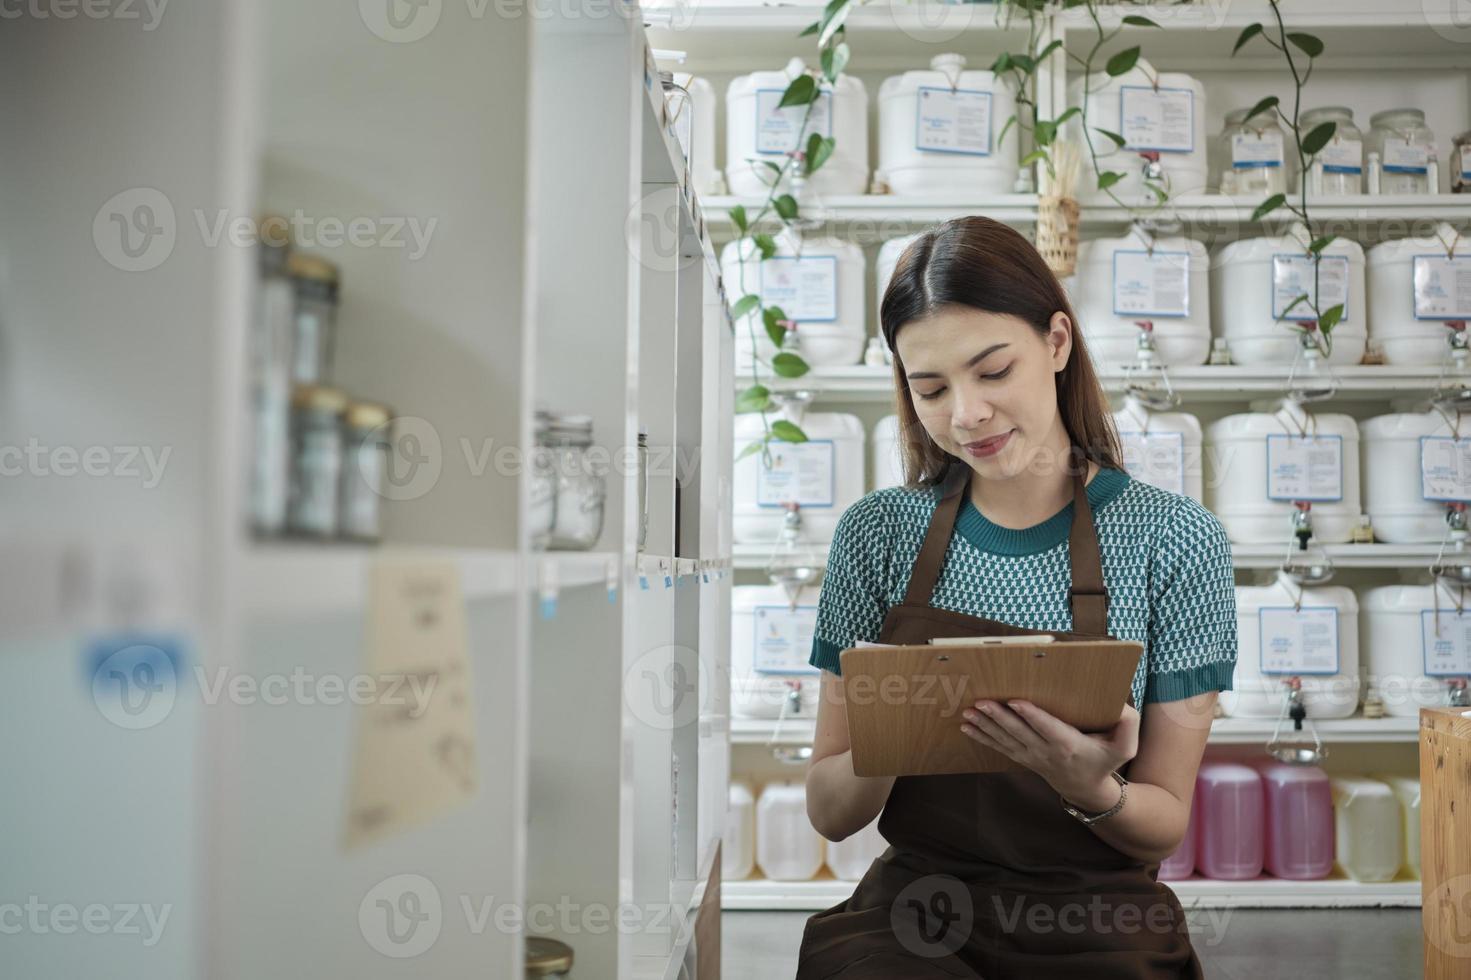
(312, 267)
(274, 230)
(366, 415)
(547, 957)
(319, 398)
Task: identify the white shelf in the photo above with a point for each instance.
(753, 557)
(1265, 892)
(1224, 731)
(871, 218)
(1215, 383)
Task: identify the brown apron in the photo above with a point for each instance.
(986, 875)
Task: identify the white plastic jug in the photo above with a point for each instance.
(757, 132)
(1262, 463)
(849, 859)
(1407, 791)
(939, 131)
(1256, 281)
(770, 643)
(817, 282)
(1416, 285)
(1417, 644)
(883, 270)
(888, 462)
(1367, 821)
(1164, 449)
(696, 134)
(1139, 277)
(787, 846)
(1412, 470)
(1284, 631)
(738, 847)
(823, 475)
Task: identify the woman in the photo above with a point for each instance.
(1017, 517)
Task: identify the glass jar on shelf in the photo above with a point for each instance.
(317, 282)
(578, 519)
(367, 433)
(643, 490)
(1401, 153)
(542, 507)
(316, 460)
(1461, 164)
(270, 381)
(1338, 168)
(1254, 160)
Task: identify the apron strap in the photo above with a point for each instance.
(1088, 596)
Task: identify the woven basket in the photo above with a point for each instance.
(1057, 234)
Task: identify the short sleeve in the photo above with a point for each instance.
(853, 601)
(1192, 622)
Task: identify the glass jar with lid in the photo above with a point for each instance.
(367, 431)
(1461, 164)
(1254, 158)
(316, 459)
(547, 957)
(1338, 168)
(1401, 153)
(577, 522)
(270, 381)
(542, 503)
(317, 282)
(643, 490)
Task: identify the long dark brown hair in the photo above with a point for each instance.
(985, 265)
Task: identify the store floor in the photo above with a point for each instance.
(1234, 944)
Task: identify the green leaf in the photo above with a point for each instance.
(1044, 132)
(1001, 64)
(1318, 244)
(1268, 103)
(1123, 62)
(786, 206)
(772, 317)
(819, 149)
(1268, 206)
(750, 450)
(1329, 318)
(1134, 20)
(1066, 115)
(832, 20)
(1042, 55)
(744, 305)
(775, 170)
(1108, 178)
(738, 218)
(1310, 45)
(1318, 137)
(811, 29)
(1302, 298)
(787, 431)
(766, 244)
(789, 365)
(1024, 62)
(834, 60)
(1032, 158)
(1010, 121)
(756, 398)
(802, 91)
(1117, 139)
(1247, 33)
(1159, 192)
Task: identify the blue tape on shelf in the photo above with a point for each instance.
(548, 608)
(613, 594)
(643, 582)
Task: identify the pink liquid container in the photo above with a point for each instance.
(1299, 802)
(1181, 864)
(1230, 803)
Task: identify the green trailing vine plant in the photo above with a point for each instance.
(782, 207)
(1293, 46)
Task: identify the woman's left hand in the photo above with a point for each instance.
(1078, 766)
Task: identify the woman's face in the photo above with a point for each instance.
(984, 387)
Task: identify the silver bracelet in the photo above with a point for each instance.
(1088, 820)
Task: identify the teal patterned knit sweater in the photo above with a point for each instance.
(1166, 565)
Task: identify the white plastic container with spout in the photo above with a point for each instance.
(770, 643)
(888, 461)
(756, 131)
(1163, 449)
(850, 858)
(1415, 286)
(1370, 845)
(1407, 791)
(883, 269)
(787, 846)
(1414, 464)
(824, 476)
(1153, 111)
(696, 134)
(1138, 277)
(1264, 463)
(1285, 630)
(817, 282)
(738, 847)
(1255, 281)
(1416, 644)
(939, 130)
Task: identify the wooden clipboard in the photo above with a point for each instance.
(905, 702)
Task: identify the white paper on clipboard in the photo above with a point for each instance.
(990, 641)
